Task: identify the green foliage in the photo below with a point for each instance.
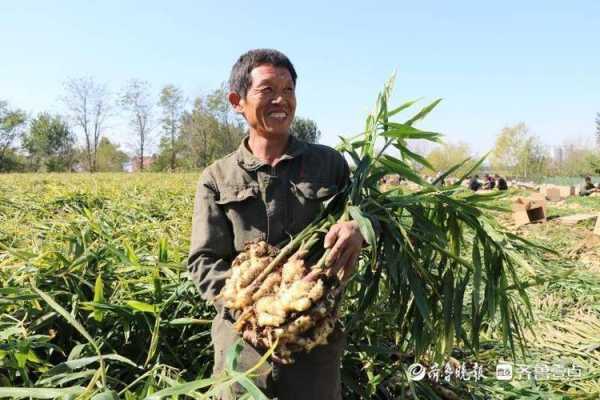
(447, 155)
(208, 132)
(441, 270)
(171, 102)
(94, 294)
(50, 144)
(12, 124)
(305, 129)
(109, 157)
(577, 158)
(519, 153)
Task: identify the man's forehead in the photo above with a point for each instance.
(266, 72)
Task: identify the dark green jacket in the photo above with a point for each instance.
(240, 198)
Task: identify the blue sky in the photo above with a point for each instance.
(493, 64)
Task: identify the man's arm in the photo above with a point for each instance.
(211, 247)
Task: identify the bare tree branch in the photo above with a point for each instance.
(89, 106)
(137, 101)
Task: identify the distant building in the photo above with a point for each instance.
(136, 163)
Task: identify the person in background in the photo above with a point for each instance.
(474, 183)
(502, 185)
(588, 187)
(490, 182)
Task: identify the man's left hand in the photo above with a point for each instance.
(345, 241)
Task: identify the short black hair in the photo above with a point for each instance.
(240, 80)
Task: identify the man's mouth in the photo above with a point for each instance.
(281, 115)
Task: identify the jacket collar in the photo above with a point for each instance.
(250, 162)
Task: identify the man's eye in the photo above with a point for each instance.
(266, 90)
(289, 89)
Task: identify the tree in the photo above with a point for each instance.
(305, 129)
(137, 101)
(89, 105)
(12, 123)
(110, 157)
(49, 143)
(598, 130)
(198, 131)
(447, 155)
(519, 153)
(210, 130)
(576, 157)
(172, 102)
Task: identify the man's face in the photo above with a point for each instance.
(270, 102)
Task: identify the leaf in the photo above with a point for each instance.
(424, 112)
(182, 388)
(66, 315)
(366, 227)
(106, 395)
(233, 353)
(250, 387)
(154, 340)
(190, 321)
(143, 307)
(404, 132)
(72, 365)
(98, 297)
(401, 108)
(39, 393)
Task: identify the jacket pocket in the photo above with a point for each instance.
(236, 194)
(245, 211)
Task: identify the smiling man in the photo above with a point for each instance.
(269, 189)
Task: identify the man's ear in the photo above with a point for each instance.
(235, 101)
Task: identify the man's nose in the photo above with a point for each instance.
(277, 99)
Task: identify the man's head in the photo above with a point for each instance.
(588, 179)
(262, 88)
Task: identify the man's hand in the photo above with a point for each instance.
(345, 241)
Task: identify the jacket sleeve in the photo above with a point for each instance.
(211, 249)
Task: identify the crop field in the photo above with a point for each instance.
(94, 265)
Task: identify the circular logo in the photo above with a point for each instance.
(416, 372)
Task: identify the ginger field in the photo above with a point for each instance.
(94, 265)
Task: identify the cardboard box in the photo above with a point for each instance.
(553, 194)
(566, 191)
(556, 192)
(529, 209)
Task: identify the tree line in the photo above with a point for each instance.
(190, 135)
(517, 152)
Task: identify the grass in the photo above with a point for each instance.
(110, 250)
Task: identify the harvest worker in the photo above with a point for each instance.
(474, 183)
(270, 188)
(588, 187)
(501, 182)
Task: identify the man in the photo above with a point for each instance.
(501, 182)
(474, 183)
(270, 188)
(490, 182)
(588, 187)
